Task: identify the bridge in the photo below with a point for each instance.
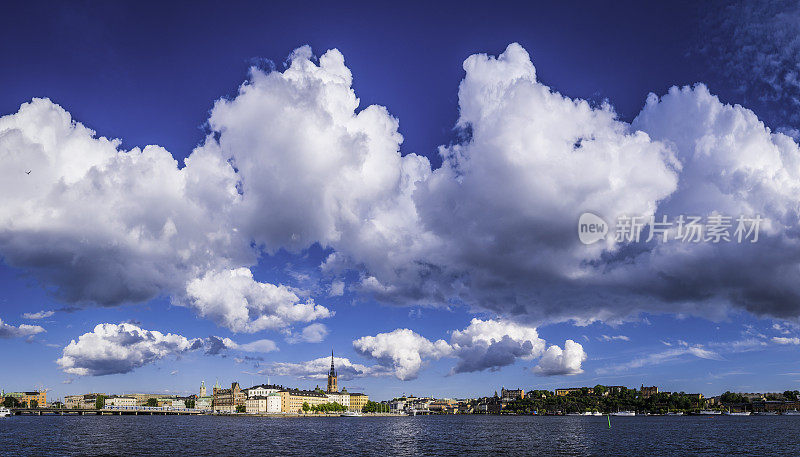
(121, 411)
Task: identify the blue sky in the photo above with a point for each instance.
(292, 212)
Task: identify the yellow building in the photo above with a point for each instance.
(563, 392)
(358, 401)
(292, 400)
(25, 398)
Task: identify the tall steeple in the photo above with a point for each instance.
(332, 384)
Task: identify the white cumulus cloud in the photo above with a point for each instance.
(557, 361)
(401, 350)
(121, 348)
(491, 344)
(10, 331)
(313, 333)
(233, 299)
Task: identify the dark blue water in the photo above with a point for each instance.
(405, 436)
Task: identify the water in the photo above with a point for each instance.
(404, 436)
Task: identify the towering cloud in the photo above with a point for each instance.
(557, 361)
(492, 344)
(293, 160)
(108, 226)
(401, 350)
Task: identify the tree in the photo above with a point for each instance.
(152, 402)
(791, 395)
(240, 409)
(34, 404)
(306, 408)
(370, 407)
(189, 403)
(11, 402)
(100, 402)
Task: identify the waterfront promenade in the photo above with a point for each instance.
(104, 412)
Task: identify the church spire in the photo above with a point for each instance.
(332, 384)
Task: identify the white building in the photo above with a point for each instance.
(256, 405)
(262, 391)
(397, 406)
(203, 403)
(120, 401)
(339, 397)
(274, 403)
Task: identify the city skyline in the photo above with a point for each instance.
(231, 198)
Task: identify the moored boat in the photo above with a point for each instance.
(709, 412)
(350, 414)
(4, 412)
(624, 413)
(792, 412)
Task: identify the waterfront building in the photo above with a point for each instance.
(180, 402)
(777, 406)
(444, 405)
(292, 400)
(262, 390)
(343, 398)
(332, 378)
(26, 399)
(204, 403)
(646, 392)
(510, 395)
(120, 401)
(227, 400)
(202, 389)
(358, 401)
(85, 401)
(396, 406)
(274, 403)
(142, 399)
(256, 405)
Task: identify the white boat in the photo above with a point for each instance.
(4, 412)
(350, 414)
(741, 413)
(624, 413)
(675, 413)
(765, 413)
(792, 412)
(597, 413)
(710, 412)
